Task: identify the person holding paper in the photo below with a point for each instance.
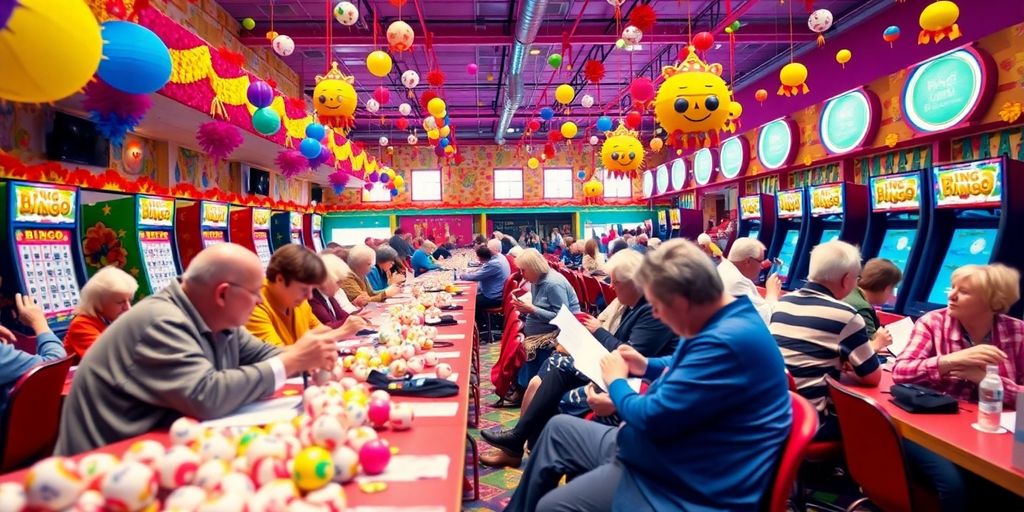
(874, 288)
(325, 307)
(819, 334)
(381, 275)
(422, 259)
(183, 351)
(637, 327)
(707, 434)
(744, 265)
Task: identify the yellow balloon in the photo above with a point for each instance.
(564, 94)
(843, 56)
(399, 182)
(444, 131)
(533, 163)
(793, 74)
(568, 129)
(49, 50)
(437, 107)
(939, 15)
(379, 63)
(433, 134)
(449, 150)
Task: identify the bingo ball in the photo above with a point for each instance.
(240, 465)
(129, 487)
(312, 392)
(53, 484)
(398, 368)
(210, 474)
(279, 429)
(355, 415)
(348, 362)
(416, 364)
(346, 464)
(148, 452)
(227, 502)
(237, 484)
(314, 468)
(430, 359)
(186, 498)
(358, 436)
(283, 45)
(316, 405)
(178, 467)
(217, 447)
(348, 383)
(361, 373)
(331, 496)
(380, 394)
(251, 434)
(407, 350)
(444, 370)
(274, 496)
(378, 412)
(395, 352)
(374, 456)
(377, 361)
(426, 344)
(401, 416)
(185, 430)
(90, 501)
(328, 432)
(94, 467)
(357, 395)
(268, 446)
(12, 497)
(268, 469)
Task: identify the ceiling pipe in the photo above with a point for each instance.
(530, 16)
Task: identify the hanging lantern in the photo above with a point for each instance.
(405, 109)
(372, 106)
(383, 140)
(400, 36)
(632, 36)
(346, 13)
(819, 21)
(793, 77)
(891, 34)
(412, 139)
(622, 152)
(676, 113)
(761, 95)
(938, 21)
(283, 45)
(587, 101)
(410, 79)
(334, 99)
(703, 41)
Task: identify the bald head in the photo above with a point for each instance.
(222, 263)
(223, 283)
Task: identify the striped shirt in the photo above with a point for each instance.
(817, 334)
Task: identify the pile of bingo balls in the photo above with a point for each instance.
(403, 350)
(285, 466)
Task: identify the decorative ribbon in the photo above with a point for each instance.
(793, 90)
(952, 32)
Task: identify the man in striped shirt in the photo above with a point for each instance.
(821, 335)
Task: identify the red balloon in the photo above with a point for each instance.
(642, 90)
(633, 120)
(401, 123)
(554, 136)
(703, 41)
(382, 95)
(533, 125)
(549, 150)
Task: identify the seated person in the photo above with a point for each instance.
(949, 351)
(325, 307)
(381, 275)
(708, 433)
(105, 297)
(491, 274)
(592, 260)
(641, 243)
(184, 352)
(874, 288)
(284, 314)
(745, 262)
(572, 256)
(340, 296)
(361, 260)
(13, 362)
(819, 334)
(636, 327)
(422, 261)
(444, 250)
(653, 243)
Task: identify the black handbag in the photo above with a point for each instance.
(422, 386)
(919, 399)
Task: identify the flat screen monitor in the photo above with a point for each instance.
(787, 251)
(829, 235)
(969, 246)
(896, 246)
(753, 233)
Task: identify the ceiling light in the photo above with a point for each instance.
(534, 51)
(510, 130)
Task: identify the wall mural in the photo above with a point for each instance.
(200, 171)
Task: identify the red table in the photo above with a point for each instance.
(428, 436)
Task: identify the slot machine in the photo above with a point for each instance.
(790, 218)
(312, 230)
(200, 224)
(250, 228)
(285, 228)
(757, 217)
(838, 212)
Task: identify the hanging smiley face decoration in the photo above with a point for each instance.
(693, 103)
(622, 152)
(334, 100)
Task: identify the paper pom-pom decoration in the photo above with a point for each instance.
(114, 112)
(435, 77)
(382, 95)
(643, 17)
(291, 162)
(593, 71)
(219, 139)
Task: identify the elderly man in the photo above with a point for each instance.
(744, 265)
(183, 352)
(641, 243)
(707, 434)
(13, 362)
(361, 260)
(819, 334)
(491, 274)
(637, 328)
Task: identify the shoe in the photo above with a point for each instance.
(512, 399)
(500, 459)
(504, 440)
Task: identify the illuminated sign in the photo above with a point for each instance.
(733, 156)
(317, 223)
(674, 218)
(947, 90)
(296, 220)
(260, 218)
(678, 173)
(648, 184)
(154, 236)
(662, 217)
(777, 143)
(750, 207)
(849, 121)
(44, 204)
(215, 215)
(661, 179)
(259, 235)
(156, 211)
(827, 199)
(972, 184)
(40, 235)
(789, 203)
(896, 193)
(703, 165)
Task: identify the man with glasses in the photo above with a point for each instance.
(184, 352)
(738, 272)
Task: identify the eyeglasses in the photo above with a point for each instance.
(255, 294)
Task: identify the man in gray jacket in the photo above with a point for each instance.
(183, 352)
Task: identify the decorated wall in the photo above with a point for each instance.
(440, 227)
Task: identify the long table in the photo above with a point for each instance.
(428, 436)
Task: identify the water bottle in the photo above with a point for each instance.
(990, 399)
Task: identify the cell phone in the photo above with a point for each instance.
(776, 266)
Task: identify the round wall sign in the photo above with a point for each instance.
(648, 184)
(849, 121)
(777, 143)
(703, 165)
(947, 90)
(661, 179)
(677, 173)
(733, 156)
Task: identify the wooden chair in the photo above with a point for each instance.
(32, 418)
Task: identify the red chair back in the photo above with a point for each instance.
(607, 291)
(32, 418)
(593, 289)
(869, 436)
(510, 359)
(805, 425)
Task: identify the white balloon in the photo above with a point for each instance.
(587, 101)
(283, 45)
(383, 140)
(346, 13)
(404, 109)
(372, 106)
(412, 139)
(616, 3)
(632, 35)
(820, 20)
(429, 123)
(593, 140)
(410, 79)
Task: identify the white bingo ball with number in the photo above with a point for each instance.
(401, 416)
(93, 467)
(416, 364)
(131, 486)
(272, 445)
(185, 431)
(279, 429)
(53, 484)
(268, 469)
(147, 451)
(348, 383)
(398, 368)
(178, 467)
(361, 373)
(185, 499)
(431, 359)
(90, 501)
(12, 497)
(331, 496)
(211, 473)
(358, 436)
(328, 432)
(217, 447)
(273, 496)
(444, 370)
(356, 415)
(237, 484)
(227, 502)
(407, 350)
(346, 464)
(380, 394)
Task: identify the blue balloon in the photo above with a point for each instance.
(384, 178)
(135, 60)
(394, 192)
(447, 120)
(316, 131)
(310, 148)
(604, 123)
(546, 113)
(444, 142)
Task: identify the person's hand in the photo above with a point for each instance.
(613, 367)
(30, 314)
(391, 291)
(636, 362)
(600, 403)
(360, 301)
(773, 288)
(592, 324)
(6, 336)
(397, 278)
(977, 356)
(970, 373)
(351, 326)
(315, 349)
(524, 307)
(881, 339)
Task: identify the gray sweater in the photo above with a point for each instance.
(550, 292)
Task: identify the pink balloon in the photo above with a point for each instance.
(471, 68)
(642, 90)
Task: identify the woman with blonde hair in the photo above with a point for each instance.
(106, 296)
(325, 307)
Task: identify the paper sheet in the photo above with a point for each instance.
(260, 413)
(454, 377)
(448, 354)
(450, 337)
(409, 468)
(434, 409)
(900, 332)
(584, 348)
(1008, 420)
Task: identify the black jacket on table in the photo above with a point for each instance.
(648, 335)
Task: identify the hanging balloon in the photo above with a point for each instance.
(402, 123)
(760, 95)
(135, 60)
(549, 150)
(412, 139)
(642, 90)
(594, 140)
(564, 94)
(394, 192)
(283, 45)
(843, 56)
(310, 148)
(444, 131)
(733, 27)
(698, 119)
(429, 124)
(372, 106)
(437, 107)
(568, 129)
(819, 21)
(449, 150)
(938, 21)
(533, 163)
(400, 36)
(703, 41)
(891, 34)
(383, 140)
(385, 177)
(633, 120)
(555, 60)
(433, 134)
(533, 125)
(593, 189)
(472, 68)
(405, 109)
(260, 94)
(444, 142)
(604, 124)
(410, 79)
(346, 13)
(546, 113)
(587, 101)
(399, 181)
(335, 100)
(793, 77)
(382, 95)
(271, 35)
(620, 43)
(266, 121)
(656, 144)
(316, 131)
(733, 122)
(632, 36)
(248, 23)
(378, 63)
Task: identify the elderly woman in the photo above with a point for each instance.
(381, 276)
(572, 256)
(423, 259)
(325, 307)
(106, 296)
(361, 260)
(949, 351)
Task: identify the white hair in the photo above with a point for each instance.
(653, 243)
(703, 239)
(531, 259)
(361, 254)
(830, 261)
(104, 283)
(624, 265)
(515, 251)
(746, 247)
(337, 270)
(428, 246)
(494, 245)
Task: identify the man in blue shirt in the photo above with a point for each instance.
(491, 274)
(708, 432)
(13, 362)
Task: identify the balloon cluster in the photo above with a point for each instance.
(313, 147)
(265, 120)
(439, 129)
(387, 178)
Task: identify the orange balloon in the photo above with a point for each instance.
(761, 95)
